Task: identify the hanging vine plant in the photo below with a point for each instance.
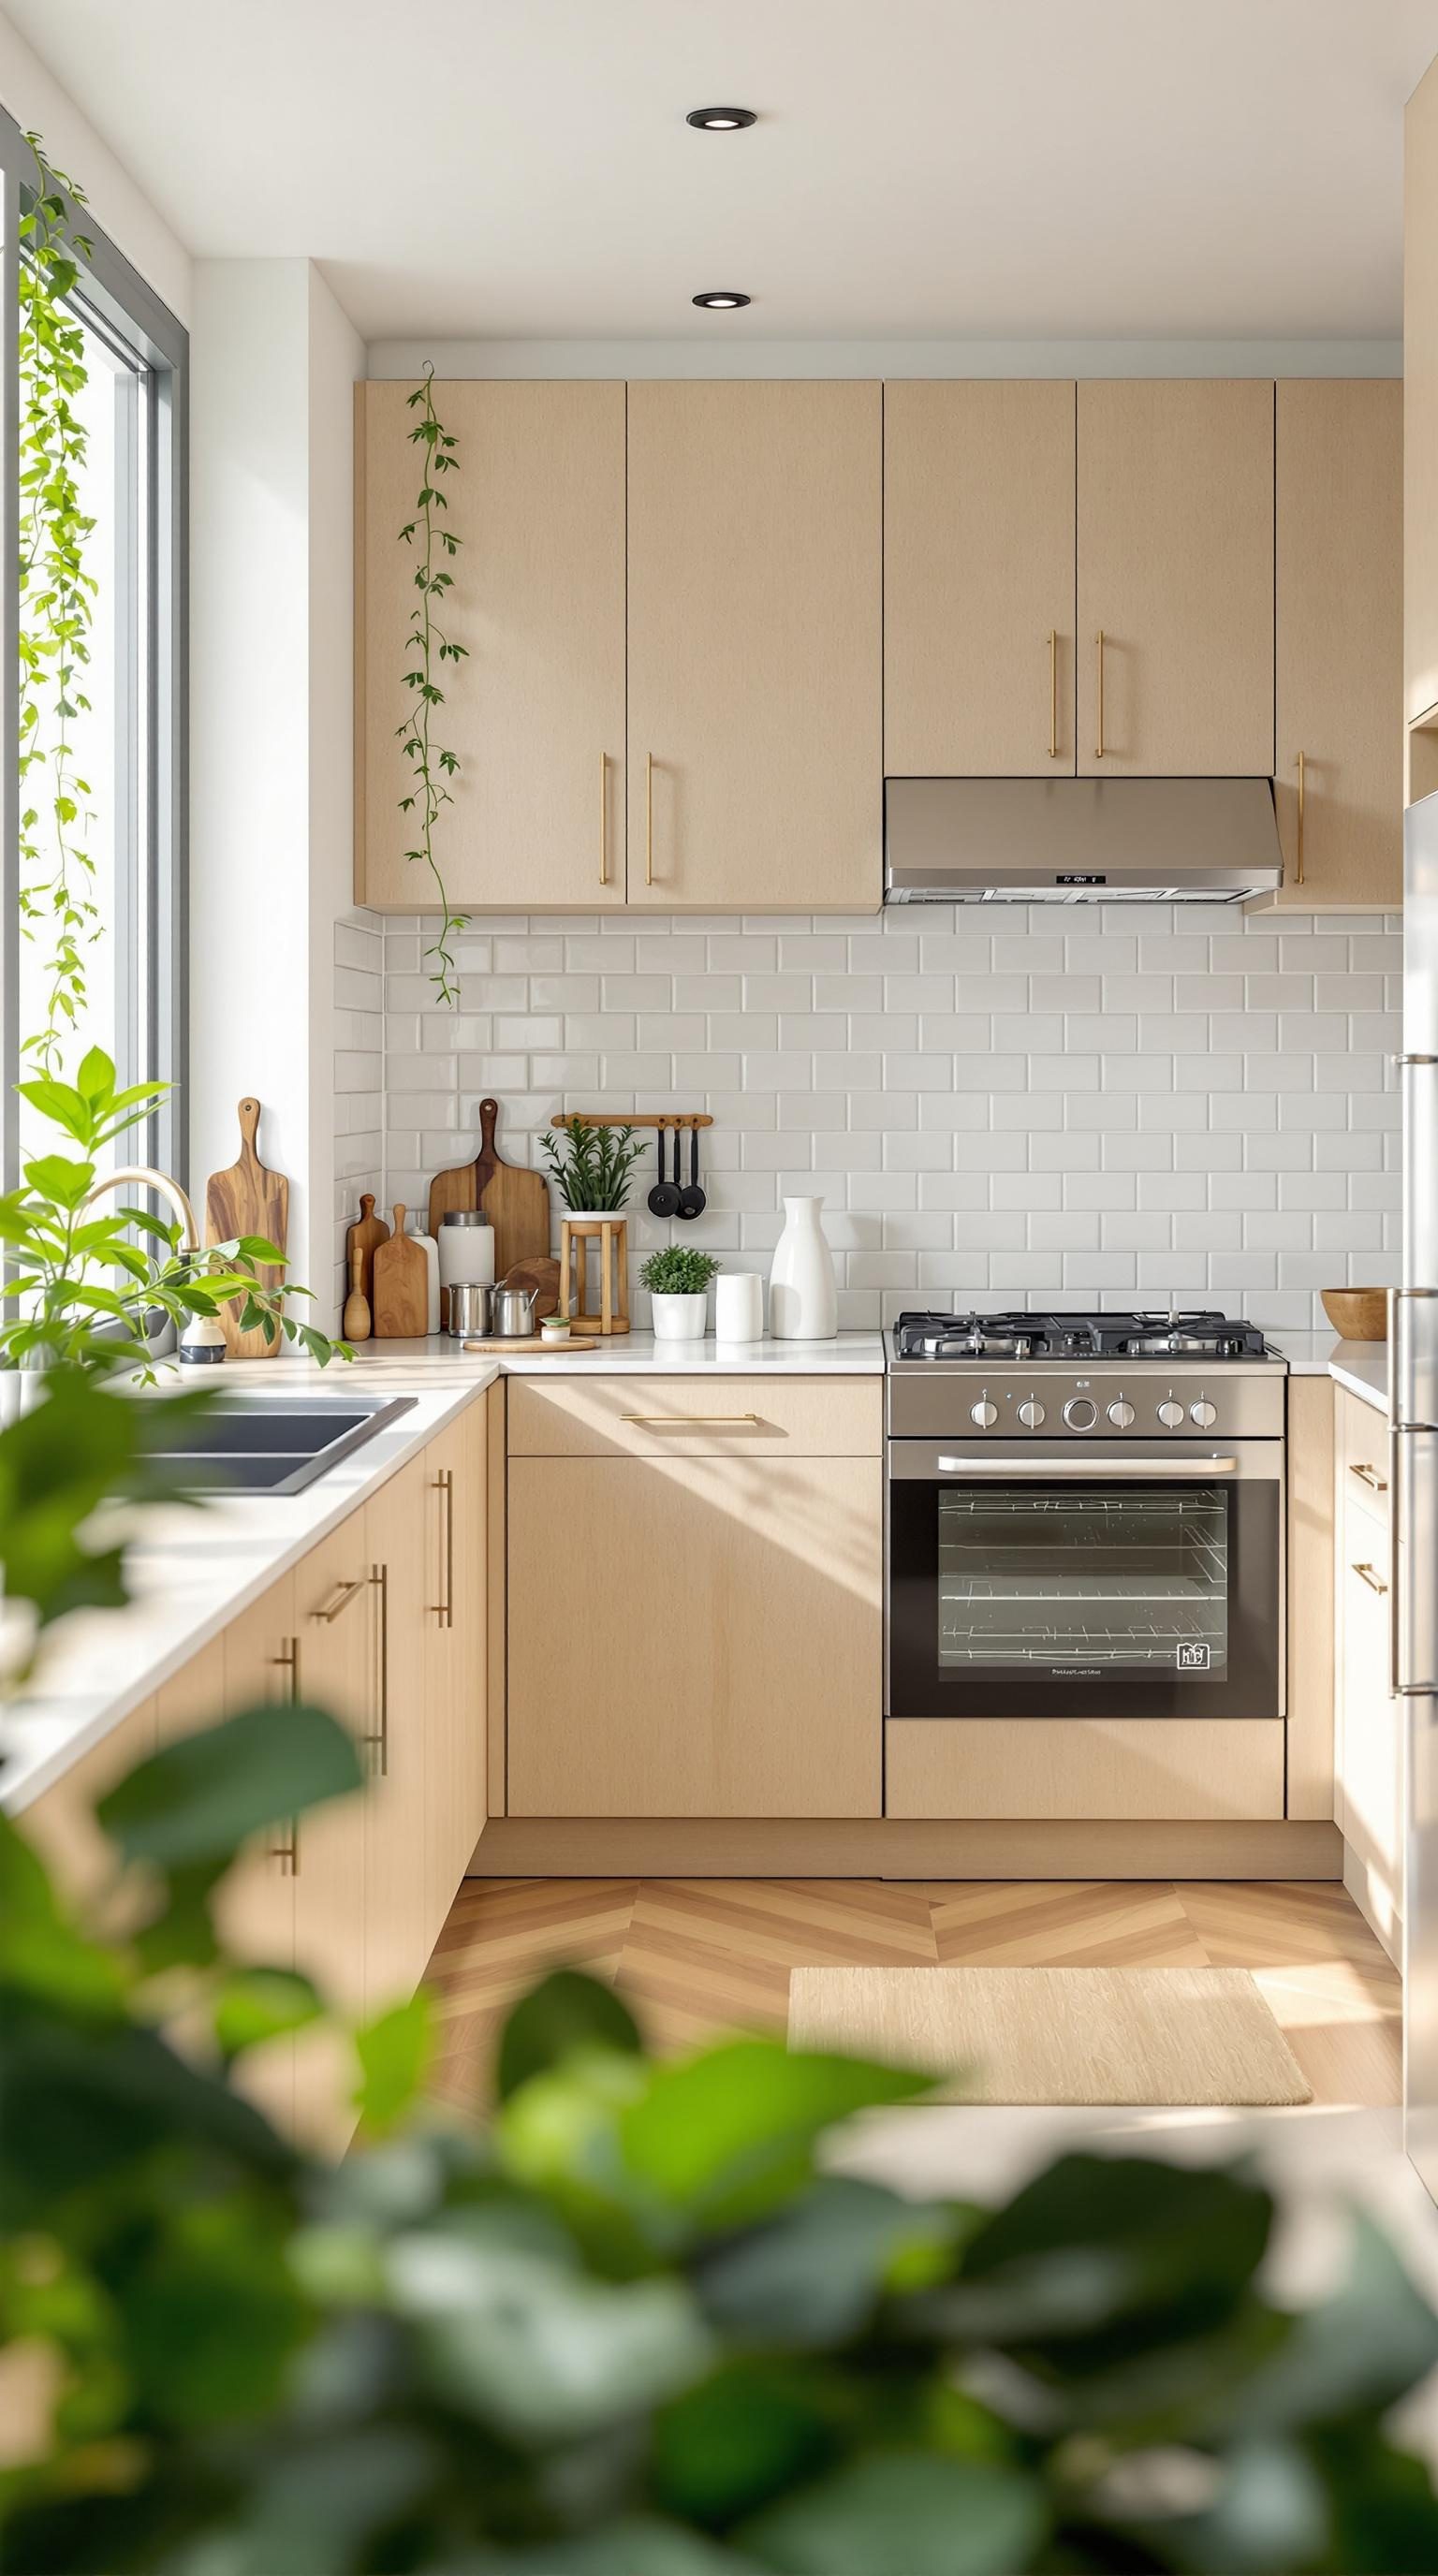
(57, 608)
(431, 767)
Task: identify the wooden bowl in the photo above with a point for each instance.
(1359, 1314)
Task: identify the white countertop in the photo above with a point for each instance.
(193, 1571)
(1360, 1366)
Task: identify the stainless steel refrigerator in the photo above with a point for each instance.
(1413, 1480)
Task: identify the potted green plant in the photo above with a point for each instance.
(678, 1282)
(592, 1166)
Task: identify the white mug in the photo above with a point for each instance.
(739, 1306)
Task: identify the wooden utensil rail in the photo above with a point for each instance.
(633, 1118)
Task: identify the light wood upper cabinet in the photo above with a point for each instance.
(1339, 486)
(1175, 570)
(536, 711)
(979, 579)
(755, 736)
(1420, 399)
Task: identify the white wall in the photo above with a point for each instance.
(39, 105)
(273, 362)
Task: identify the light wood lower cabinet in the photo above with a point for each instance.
(61, 1824)
(455, 1659)
(401, 1897)
(694, 1636)
(1368, 1725)
(1178, 1770)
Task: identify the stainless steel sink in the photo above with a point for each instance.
(275, 1444)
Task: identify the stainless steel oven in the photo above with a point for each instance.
(1052, 1568)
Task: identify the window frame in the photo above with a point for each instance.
(116, 299)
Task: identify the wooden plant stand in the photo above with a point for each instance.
(612, 1234)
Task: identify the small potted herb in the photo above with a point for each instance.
(678, 1282)
(593, 1166)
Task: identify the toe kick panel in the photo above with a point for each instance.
(1171, 1769)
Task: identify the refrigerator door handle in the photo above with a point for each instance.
(1399, 1430)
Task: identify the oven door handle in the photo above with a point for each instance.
(1087, 1471)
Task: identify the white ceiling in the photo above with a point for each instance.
(923, 169)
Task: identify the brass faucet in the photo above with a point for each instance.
(202, 1343)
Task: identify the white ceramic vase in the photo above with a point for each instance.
(803, 1292)
(680, 1319)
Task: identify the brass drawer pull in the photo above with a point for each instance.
(686, 1421)
(1366, 1574)
(287, 1853)
(379, 1741)
(649, 818)
(1369, 1476)
(1302, 801)
(340, 1599)
(1098, 746)
(444, 1487)
(604, 818)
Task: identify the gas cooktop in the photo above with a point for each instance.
(1080, 1335)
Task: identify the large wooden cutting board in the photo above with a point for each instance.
(248, 1199)
(401, 1287)
(515, 1201)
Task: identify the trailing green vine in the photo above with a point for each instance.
(430, 766)
(57, 597)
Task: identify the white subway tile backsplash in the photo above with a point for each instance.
(1097, 1106)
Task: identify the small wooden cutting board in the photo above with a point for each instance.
(400, 1302)
(533, 1345)
(542, 1274)
(365, 1236)
(248, 1199)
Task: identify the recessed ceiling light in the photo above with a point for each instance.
(720, 299)
(720, 120)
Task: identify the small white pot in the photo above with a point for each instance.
(680, 1319)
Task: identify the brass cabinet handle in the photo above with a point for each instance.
(444, 1486)
(604, 818)
(649, 818)
(683, 1421)
(1369, 1476)
(287, 1853)
(1302, 799)
(1366, 1574)
(340, 1599)
(1098, 746)
(379, 1741)
(1053, 693)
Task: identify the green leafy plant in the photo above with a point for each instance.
(592, 1165)
(641, 2325)
(83, 1291)
(678, 1272)
(57, 596)
(428, 648)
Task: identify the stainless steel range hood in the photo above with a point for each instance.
(1079, 840)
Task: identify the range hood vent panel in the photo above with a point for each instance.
(1079, 840)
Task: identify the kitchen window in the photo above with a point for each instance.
(127, 745)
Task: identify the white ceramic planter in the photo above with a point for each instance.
(803, 1292)
(680, 1319)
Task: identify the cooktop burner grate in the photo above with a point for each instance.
(1082, 1334)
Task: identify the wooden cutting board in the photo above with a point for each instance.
(365, 1236)
(542, 1274)
(400, 1302)
(248, 1199)
(534, 1344)
(516, 1202)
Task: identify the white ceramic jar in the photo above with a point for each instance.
(466, 1249)
(803, 1291)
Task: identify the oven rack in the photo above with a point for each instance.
(1011, 1588)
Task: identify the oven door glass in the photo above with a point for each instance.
(1090, 1599)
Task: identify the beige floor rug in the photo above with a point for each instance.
(1057, 2035)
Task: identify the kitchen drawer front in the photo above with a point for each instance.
(688, 1417)
(1175, 1770)
(1361, 1449)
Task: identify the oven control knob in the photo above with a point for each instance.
(984, 1414)
(1170, 1414)
(1121, 1414)
(1031, 1414)
(1203, 1413)
(1080, 1414)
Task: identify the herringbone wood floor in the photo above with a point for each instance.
(696, 1956)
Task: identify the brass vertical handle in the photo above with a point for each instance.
(1098, 746)
(1053, 693)
(287, 1853)
(1366, 1574)
(1302, 799)
(649, 818)
(444, 1487)
(379, 1741)
(604, 818)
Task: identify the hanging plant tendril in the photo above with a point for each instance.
(57, 608)
(428, 647)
